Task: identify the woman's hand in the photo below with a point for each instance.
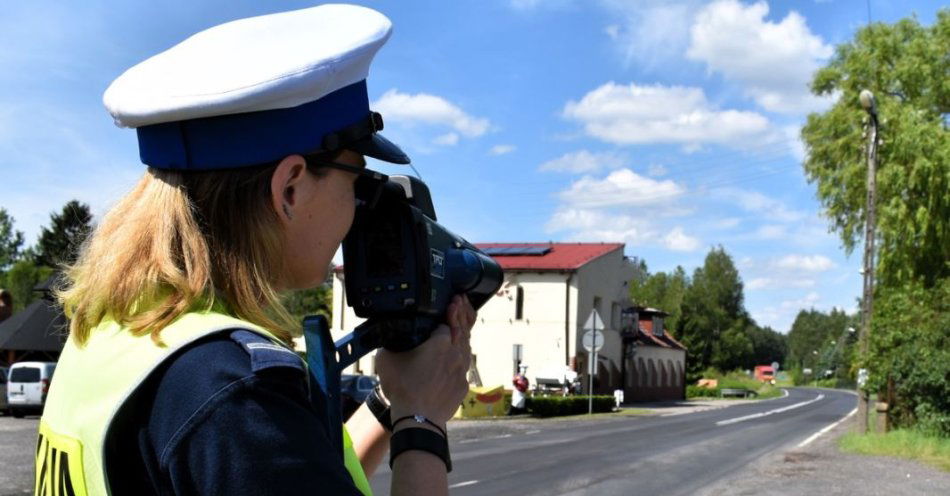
(431, 379)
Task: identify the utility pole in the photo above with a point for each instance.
(867, 101)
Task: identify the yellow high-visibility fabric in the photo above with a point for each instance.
(91, 384)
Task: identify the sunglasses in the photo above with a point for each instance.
(368, 187)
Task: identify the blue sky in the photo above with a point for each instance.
(670, 126)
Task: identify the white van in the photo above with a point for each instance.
(27, 385)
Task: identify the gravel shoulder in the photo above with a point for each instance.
(821, 468)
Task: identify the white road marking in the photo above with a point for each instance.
(532, 432)
(770, 412)
(826, 429)
(463, 484)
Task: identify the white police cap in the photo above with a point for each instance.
(255, 90)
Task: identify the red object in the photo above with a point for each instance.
(45, 385)
(488, 398)
(520, 382)
(764, 373)
(563, 256)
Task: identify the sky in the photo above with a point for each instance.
(670, 126)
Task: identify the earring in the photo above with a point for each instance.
(287, 212)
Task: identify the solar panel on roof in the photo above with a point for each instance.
(509, 251)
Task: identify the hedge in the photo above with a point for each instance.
(554, 406)
(693, 391)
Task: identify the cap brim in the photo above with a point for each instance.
(378, 147)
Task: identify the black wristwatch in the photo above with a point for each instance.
(418, 438)
(380, 408)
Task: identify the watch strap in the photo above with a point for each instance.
(380, 409)
(418, 438)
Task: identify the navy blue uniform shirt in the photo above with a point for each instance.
(230, 414)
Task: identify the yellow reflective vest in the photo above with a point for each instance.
(93, 382)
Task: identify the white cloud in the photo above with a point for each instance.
(780, 316)
(448, 139)
(677, 240)
(429, 109)
(773, 61)
(657, 170)
(584, 161)
(758, 203)
(622, 187)
(598, 225)
(727, 223)
(650, 32)
(502, 149)
(808, 263)
(771, 231)
(635, 114)
(779, 283)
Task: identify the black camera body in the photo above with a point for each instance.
(401, 268)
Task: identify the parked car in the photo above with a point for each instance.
(4, 406)
(28, 385)
(353, 391)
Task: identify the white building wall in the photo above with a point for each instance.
(540, 332)
(606, 280)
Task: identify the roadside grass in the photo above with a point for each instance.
(900, 443)
(732, 380)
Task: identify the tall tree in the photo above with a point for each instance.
(907, 68)
(712, 304)
(11, 241)
(59, 243)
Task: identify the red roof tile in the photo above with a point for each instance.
(563, 256)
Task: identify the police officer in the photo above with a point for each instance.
(177, 377)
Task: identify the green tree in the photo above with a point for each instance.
(312, 301)
(663, 291)
(59, 243)
(907, 68)
(910, 347)
(11, 241)
(20, 280)
(767, 346)
(712, 304)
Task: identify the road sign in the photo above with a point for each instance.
(594, 322)
(775, 366)
(593, 340)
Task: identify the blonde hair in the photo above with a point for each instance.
(181, 242)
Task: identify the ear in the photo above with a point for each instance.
(284, 186)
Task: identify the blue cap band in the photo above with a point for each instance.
(251, 138)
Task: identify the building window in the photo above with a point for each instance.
(597, 307)
(615, 316)
(519, 303)
(657, 325)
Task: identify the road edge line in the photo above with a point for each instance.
(816, 435)
(463, 484)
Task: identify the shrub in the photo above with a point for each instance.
(555, 406)
(701, 392)
(910, 345)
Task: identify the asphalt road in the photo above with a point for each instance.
(670, 455)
